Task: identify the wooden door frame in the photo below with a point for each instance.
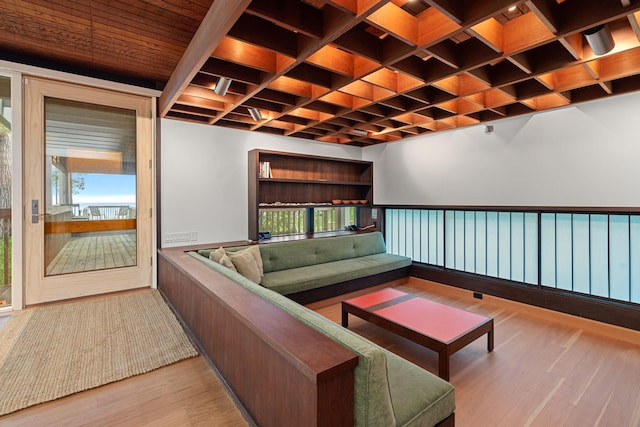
(145, 179)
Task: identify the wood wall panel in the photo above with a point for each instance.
(283, 371)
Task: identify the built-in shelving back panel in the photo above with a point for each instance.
(299, 180)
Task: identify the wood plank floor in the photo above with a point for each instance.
(186, 393)
(547, 369)
(96, 251)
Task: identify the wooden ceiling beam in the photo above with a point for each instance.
(216, 24)
(257, 31)
(293, 15)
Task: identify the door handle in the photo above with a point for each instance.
(35, 215)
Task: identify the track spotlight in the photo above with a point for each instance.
(600, 39)
(222, 86)
(360, 132)
(255, 113)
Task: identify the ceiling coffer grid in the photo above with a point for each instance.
(328, 71)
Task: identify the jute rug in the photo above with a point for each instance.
(54, 351)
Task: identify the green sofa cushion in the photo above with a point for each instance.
(419, 398)
(302, 253)
(315, 276)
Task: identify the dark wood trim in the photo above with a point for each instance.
(283, 371)
(450, 421)
(534, 209)
(622, 314)
(325, 292)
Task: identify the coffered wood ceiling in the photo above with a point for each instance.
(357, 72)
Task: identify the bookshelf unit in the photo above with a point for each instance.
(305, 181)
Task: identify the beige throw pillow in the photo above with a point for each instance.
(246, 263)
(217, 255)
(226, 262)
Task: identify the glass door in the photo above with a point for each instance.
(87, 178)
(5, 191)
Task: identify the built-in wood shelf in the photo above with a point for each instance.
(305, 181)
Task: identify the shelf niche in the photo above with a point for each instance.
(305, 181)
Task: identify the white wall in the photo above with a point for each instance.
(204, 177)
(584, 155)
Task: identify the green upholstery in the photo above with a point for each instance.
(419, 398)
(302, 253)
(315, 276)
(389, 391)
(297, 266)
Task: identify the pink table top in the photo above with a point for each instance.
(436, 320)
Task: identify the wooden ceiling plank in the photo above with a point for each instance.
(215, 25)
(574, 77)
(380, 93)
(573, 44)
(338, 98)
(620, 65)
(449, 84)
(360, 89)
(407, 82)
(491, 33)
(196, 101)
(391, 19)
(547, 80)
(607, 86)
(635, 24)
(363, 66)
(434, 26)
(524, 32)
(242, 53)
(333, 59)
(292, 86)
(384, 78)
(546, 11)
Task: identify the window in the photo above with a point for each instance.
(290, 221)
(590, 253)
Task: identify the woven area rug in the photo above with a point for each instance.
(54, 351)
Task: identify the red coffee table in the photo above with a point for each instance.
(439, 327)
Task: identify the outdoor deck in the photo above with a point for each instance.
(97, 251)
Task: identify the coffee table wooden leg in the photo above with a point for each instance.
(345, 319)
(490, 338)
(443, 364)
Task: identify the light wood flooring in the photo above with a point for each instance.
(97, 251)
(547, 369)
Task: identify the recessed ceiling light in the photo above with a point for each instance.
(512, 9)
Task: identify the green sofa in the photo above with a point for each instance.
(314, 269)
(389, 390)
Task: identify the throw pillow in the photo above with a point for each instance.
(255, 252)
(217, 255)
(246, 264)
(226, 262)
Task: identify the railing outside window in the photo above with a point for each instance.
(595, 254)
(281, 222)
(289, 221)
